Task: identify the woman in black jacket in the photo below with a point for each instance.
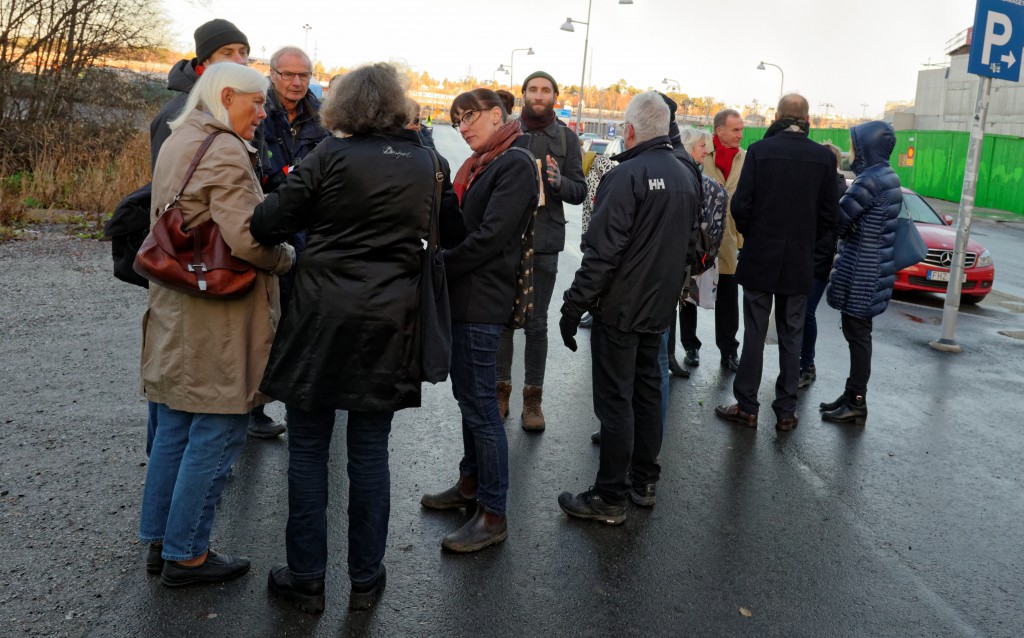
(498, 187)
(350, 340)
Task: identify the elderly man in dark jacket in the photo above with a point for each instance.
(558, 149)
(785, 201)
(630, 279)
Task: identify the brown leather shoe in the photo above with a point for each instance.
(788, 423)
(482, 530)
(736, 415)
(504, 392)
(533, 417)
(462, 494)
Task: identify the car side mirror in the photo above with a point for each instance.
(948, 219)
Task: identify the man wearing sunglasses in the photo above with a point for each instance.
(558, 149)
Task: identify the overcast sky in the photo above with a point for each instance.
(843, 53)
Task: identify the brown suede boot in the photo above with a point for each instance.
(504, 392)
(533, 416)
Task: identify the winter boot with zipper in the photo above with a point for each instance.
(854, 410)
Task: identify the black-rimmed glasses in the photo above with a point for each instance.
(288, 76)
(468, 117)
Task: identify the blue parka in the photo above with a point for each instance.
(864, 272)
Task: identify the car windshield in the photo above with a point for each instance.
(916, 208)
(598, 146)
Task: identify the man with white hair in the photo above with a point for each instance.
(630, 281)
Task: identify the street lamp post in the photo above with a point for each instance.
(782, 76)
(567, 26)
(669, 82)
(501, 69)
(306, 27)
(828, 106)
(512, 68)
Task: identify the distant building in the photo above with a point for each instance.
(946, 97)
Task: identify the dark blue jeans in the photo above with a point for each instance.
(475, 386)
(369, 491)
(811, 324)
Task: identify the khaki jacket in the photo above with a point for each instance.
(732, 241)
(203, 355)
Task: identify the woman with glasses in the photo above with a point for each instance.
(498, 188)
(350, 340)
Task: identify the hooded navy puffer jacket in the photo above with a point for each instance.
(864, 272)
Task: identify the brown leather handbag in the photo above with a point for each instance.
(195, 261)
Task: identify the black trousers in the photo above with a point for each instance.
(727, 319)
(789, 321)
(858, 335)
(627, 401)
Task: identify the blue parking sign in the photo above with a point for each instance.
(611, 130)
(997, 41)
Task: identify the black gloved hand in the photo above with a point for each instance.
(568, 325)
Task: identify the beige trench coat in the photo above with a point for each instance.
(732, 241)
(203, 355)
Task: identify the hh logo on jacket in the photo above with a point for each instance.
(656, 184)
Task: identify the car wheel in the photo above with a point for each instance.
(971, 299)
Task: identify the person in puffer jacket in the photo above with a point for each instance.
(864, 272)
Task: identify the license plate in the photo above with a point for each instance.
(939, 275)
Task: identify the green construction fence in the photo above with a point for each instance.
(937, 167)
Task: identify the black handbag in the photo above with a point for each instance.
(522, 304)
(909, 248)
(435, 311)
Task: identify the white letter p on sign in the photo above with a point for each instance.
(992, 39)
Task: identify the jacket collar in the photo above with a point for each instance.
(308, 105)
(658, 143)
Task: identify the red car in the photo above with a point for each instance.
(932, 274)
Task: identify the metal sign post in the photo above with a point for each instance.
(947, 342)
(997, 39)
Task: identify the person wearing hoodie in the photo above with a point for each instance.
(862, 278)
(216, 41)
(630, 280)
(785, 202)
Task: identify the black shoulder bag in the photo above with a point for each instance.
(435, 311)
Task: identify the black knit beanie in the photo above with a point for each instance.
(673, 129)
(215, 34)
(540, 74)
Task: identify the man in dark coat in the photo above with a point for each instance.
(785, 201)
(558, 149)
(630, 279)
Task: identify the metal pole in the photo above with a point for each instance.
(583, 75)
(947, 342)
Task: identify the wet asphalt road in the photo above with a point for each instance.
(910, 526)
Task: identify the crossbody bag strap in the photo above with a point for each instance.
(435, 212)
(192, 167)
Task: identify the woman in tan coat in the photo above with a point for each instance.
(203, 359)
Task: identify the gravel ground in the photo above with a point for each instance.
(72, 461)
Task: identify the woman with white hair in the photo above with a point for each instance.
(202, 359)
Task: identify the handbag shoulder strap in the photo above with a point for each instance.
(195, 164)
(436, 208)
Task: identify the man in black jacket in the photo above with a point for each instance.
(558, 149)
(785, 201)
(630, 279)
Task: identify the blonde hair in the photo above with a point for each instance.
(215, 78)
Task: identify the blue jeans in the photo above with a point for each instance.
(151, 426)
(663, 365)
(475, 385)
(811, 324)
(188, 468)
(369, 491)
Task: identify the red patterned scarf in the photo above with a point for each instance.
(724, 156)
(498, 143)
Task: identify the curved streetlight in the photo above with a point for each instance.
(670, 82)
(306, 27)
(567, 26)
(511, 66)
(782, 76)
(501, 69)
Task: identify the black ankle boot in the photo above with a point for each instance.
(482, 530)
(854, 410)
(306, 594)
(833, 405)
